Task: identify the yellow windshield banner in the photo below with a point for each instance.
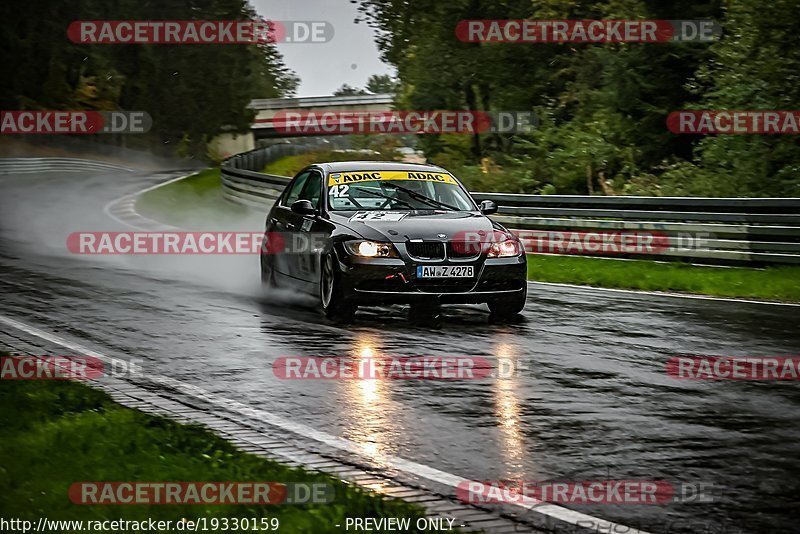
(339, 178)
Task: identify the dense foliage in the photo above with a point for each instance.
(192, 92)
(603, 108)
(376, 84)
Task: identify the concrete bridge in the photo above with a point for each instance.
(264, 125)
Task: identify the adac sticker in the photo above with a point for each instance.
(367, 176)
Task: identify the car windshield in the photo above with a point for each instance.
(396, 190)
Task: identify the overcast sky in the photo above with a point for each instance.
(350, 57)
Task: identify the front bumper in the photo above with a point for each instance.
(394, 280)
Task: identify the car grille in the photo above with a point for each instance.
(425, 250)
(463, 250)
(444, 285)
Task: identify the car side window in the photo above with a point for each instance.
(295, 189)
(312, 190)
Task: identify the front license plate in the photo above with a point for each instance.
(445, 271)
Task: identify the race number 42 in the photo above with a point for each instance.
(339, 191)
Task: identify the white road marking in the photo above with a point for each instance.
(413, 468)
(126, 203)
(663, 294)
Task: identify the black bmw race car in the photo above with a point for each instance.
(372, 233)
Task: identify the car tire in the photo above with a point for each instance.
(509, 306)
(333, 291)
(267, 273)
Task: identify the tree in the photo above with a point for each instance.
(381, 84)
(346, 90)
(755, 66)
(604, 106)
(192, 92)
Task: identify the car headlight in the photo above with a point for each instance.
(370, 249)
(504, 249)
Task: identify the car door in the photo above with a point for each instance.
(309, 231)
(283, 222)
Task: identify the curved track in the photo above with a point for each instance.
(592, 399)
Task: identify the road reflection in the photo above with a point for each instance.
(370, 407)
(508, 412)
(372, 418)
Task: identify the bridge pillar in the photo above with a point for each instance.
(228, 144)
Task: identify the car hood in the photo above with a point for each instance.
(398, 227)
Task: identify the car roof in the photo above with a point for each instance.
(347, 166)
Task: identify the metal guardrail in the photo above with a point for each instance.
(37, 165)
(241, 183)
(719, 231)
(317, 101)
(700, 230)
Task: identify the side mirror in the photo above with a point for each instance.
(488, 207)
(303, 207)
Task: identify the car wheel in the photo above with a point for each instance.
(333, 292)
(509, 306)
(267, 273)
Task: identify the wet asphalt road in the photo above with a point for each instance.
(592, 399)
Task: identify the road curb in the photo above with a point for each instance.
(263, 439)
(123, 209)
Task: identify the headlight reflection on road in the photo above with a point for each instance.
(369, 406)
(369, 389)
(507, 409)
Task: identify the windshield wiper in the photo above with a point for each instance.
(387, 197)
(422, 198)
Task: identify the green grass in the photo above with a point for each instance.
(191, 202)
(289, 165)
(772, 283)
(57, 433)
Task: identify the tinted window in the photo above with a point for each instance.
(312, 189)
(295, 188)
